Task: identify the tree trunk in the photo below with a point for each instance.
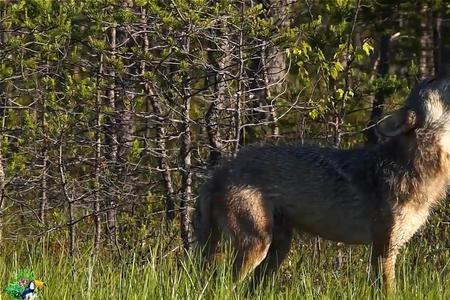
(274, 62)
(4, 102)
(238, 102)
(275, 66)
(2, 194)
(163, 158)
(186, 178)
(153, 102)
(44, 154)
(267, 70)
(185, 152)
(437, 42)
(212, 118)
(98, 161)
(441, 49)
(378, 103)
(426, 63)
(443, 42)
(111, 141)
(69, 200)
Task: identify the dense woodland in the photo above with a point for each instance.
(112, 112)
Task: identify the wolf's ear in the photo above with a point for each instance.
(398, 122)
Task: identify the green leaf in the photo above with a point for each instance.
(367, 47)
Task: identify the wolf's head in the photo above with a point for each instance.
(425, 112)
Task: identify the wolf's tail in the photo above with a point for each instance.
(205, 229)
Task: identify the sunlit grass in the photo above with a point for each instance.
(306, 274)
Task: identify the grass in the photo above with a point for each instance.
(423, 273)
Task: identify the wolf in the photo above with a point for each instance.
(380, 194)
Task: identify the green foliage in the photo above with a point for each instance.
(99, 117)
(158, 274)
(102, 111)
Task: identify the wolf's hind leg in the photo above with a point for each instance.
(248, 257)
(249, 222)
(278, 251)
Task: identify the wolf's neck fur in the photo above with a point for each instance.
(426, 168)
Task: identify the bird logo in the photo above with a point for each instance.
(30, 292)
(24, 286)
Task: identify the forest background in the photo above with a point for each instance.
(112, 112)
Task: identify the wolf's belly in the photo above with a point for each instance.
(339, 226)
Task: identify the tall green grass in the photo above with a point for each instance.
(423, 273)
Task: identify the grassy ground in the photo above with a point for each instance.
(423, 273)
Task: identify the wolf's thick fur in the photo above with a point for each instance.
(380, 194)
